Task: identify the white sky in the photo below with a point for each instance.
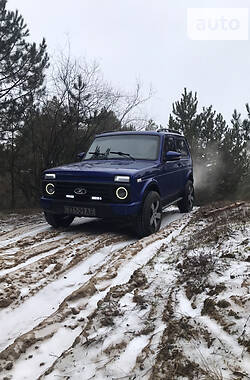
(146, 40)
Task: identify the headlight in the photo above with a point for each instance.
(121, 193)
(50, 189)
(49, 176)
(122, 178)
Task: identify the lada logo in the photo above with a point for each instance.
(80, 191)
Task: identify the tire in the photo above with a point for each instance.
(149, 220)
(187, 202)
(58, 220)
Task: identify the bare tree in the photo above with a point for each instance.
(80, 85)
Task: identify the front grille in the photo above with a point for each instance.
(105, 191)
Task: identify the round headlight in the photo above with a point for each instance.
(121, 193)
(50, 189)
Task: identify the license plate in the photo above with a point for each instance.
(81, 211)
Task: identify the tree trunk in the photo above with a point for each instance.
(12, 174)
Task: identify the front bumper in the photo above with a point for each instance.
(102, 210)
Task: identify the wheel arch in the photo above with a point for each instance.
(190, 176)
(151, 186)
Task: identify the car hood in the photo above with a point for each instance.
(105, 169)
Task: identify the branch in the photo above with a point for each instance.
(229, 207)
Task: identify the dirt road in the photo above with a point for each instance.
(92, 302)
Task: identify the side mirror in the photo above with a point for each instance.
(81, 155)
(173, 156)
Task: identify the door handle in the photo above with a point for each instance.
(179, 164)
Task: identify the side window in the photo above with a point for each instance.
(181, 147)
(169, 144)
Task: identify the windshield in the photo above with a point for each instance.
(131, 146)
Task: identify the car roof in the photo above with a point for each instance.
(152, 133)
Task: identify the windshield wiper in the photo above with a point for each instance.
(98, 153)
(107, 153)
(123, 154)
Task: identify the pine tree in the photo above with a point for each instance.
(220, 153)
(22, 66)
(185, 118)
(234, 156)
(22, 63)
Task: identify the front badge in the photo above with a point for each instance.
(80, 191)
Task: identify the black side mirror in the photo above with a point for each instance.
(81, 155)
(173, 156)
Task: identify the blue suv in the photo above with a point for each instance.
(123, 174)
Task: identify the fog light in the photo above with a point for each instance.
(121, 193)
(50, 189)
(96, 198)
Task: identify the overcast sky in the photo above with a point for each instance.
(146, 40)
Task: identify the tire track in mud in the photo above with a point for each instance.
(196, 346)
(47, 305)
(14, 245)
(10, 263)
(12, 222)
(56, 261)
(141, 330)
(116, 268)
(147, 249)
(21, 232)
(29, 233)
(30, 241)
(35, 247)
(203, 336)
(140, 294)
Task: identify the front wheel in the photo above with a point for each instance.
(56, 220)
(149, 219)
(187, 202)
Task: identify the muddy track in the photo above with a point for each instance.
(46, 264)
(32, 266)
(139, 304)
(96, 304)
(146, 329)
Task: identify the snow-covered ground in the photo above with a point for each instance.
(93, 302)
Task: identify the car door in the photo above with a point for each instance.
(170, 177)
(185, 161)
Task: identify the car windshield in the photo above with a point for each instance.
(129, 146)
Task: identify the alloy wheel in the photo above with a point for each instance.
(155, 214)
